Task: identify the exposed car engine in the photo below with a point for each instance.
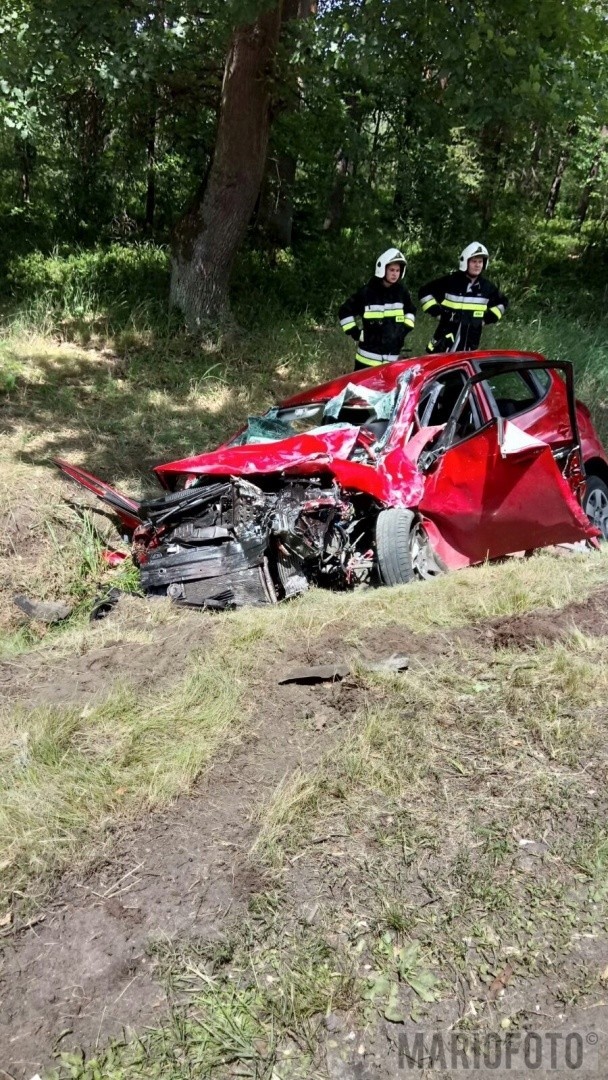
(231, 543)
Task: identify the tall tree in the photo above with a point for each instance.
(592, 179)
(275, 216)
(207, 238)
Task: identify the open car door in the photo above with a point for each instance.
(498, 490)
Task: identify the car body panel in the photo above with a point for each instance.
(125, 508)
(392, 482)
(294, 452)
(484, 504)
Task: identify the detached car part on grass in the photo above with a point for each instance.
(407, 470)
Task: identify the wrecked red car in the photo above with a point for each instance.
(404, 470)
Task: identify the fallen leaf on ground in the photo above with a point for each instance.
(500, 982)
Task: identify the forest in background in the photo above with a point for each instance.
(293, 141)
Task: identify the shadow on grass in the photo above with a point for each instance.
(120, 411)
(157, 394)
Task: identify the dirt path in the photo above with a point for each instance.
(38, 678)
(87, 971)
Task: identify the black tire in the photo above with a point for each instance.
(595, 503)
(393, 554)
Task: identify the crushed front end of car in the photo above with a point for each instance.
(295, 505)
(290, 502)
(232, 543)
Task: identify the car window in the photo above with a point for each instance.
(438, 399)
(543, 378)
(305, 418)
(514, 392)
(300, 418)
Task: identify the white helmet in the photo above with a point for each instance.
(391, 255)
(470, 252)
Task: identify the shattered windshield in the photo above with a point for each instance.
(354, 406)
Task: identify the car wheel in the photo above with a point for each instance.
(393, 545)
(595, 504)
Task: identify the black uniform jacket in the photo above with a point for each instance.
(387, 314)
(463, 307)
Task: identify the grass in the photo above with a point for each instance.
(436, 790)
(408, 831)
(473, 719)
(251, 1030)
(61, 767)
(68, 775)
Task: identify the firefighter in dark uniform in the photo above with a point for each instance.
(386, 310)
(464, 302)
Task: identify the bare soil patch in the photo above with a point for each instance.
(89, 970)
(35, 679)
(38, 678)
(547, 625)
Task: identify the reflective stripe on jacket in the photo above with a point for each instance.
(463, 307)
(387, 315)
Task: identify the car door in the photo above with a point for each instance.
(496, 490)
(534, 397)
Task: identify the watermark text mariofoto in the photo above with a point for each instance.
(564, 1053)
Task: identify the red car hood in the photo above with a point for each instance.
(267, 457)
(392, 480)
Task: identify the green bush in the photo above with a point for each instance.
(101, 276)
(315, 277)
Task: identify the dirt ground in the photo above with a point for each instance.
(86, 968)
(85, 678)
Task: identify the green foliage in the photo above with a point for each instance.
(9, 368)
(116, 272)
(424, 125)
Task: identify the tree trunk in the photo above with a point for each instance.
(592, 176)
(276, 209)
(207, 238)
(26, 155)
(345, 169)
(560, 168)
(556, 184)
(492, 144)
(374, 150)
(275, 217)
(528, 180)
(337, 198)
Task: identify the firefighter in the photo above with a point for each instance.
(464, 302)
(386, 310)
